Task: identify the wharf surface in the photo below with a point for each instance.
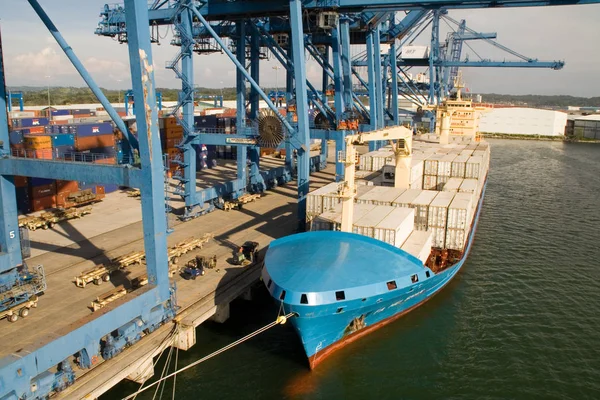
(64, 306)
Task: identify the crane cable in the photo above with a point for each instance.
(279, 321)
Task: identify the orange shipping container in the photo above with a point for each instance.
(92, 142)
(100, 192)
(174, 134)
(111, 161)
(170, 121)
(66, 186)
(37, 142)
(38, 192)
(43, 203)
(20, 181)
(37, 129)
(42, 154)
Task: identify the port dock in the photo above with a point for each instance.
(66, 306)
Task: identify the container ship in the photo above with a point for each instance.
(387, 238)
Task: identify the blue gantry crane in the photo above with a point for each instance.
(324, 29)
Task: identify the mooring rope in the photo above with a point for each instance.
(280, 320)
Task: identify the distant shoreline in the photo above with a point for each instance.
(539, 138)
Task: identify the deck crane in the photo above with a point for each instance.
(401, 140)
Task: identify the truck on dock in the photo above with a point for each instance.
(19, 291)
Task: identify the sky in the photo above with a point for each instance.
(568, 33)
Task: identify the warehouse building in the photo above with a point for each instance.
(584, 126)
(524, 121)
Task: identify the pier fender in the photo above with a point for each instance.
(186, 337)
(221, 314)
(143, 372)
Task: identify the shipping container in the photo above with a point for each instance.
(445, 165)
(366, 225)
(331, 220)
(63, 140)
(35, 142)
(458, 166)
(43, 203)
(92, 142)
(418, 184)
(42, 190)
(378, 195)
(88, 130)
(396, 227)
(473, 167)
(23, 200)
(459, 211)
(55, 113)
(66, 186)
(421, 205)
(469, 186)
(456, 239)
(15, 137)
(438, 237)
(406, 198)
(29, 122)
(453, 185)
(63, 151)
(430, 182)
(431, 164)
(438, 210)
(40, 181)
(419, 244)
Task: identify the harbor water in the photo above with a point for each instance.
(521, 321)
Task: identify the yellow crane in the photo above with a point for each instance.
(401, 141)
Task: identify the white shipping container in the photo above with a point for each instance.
(368, 196)
(438, 209)
(466, 152)
(406, 198)
(421, 205)
(419, 244)
(456, 239)
(396, 227)
(445, 165)
(459, 212)
(431, 164)
(473, 167)
(458, 166)
(453, 185)
(430, 182)
(469, 186)
(367, 175)
(418, 184)
(439, 237)
(366, 225)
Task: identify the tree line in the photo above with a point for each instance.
(38, 96)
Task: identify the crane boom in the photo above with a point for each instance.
(402, 148)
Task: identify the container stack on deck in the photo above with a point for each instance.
(440, 217)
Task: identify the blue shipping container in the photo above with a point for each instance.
(29, 122)
(61, 112)
(63, 140)
(108, 151)
(15, 137)
(205, 121)
(61, 151)
(23, 203)
(40, 181)
(111, 188)
(85, 130)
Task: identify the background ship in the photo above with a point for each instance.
(385, 243)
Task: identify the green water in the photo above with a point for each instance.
(521, 321)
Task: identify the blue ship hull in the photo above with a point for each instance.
(325, 323)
